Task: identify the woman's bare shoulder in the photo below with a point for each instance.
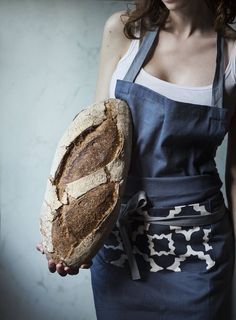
(116, 21)
(230, 37)
(114, 45)
(114, 31)
(230, 32)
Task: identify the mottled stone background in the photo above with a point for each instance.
(48, 67)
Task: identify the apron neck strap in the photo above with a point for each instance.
(218, 83)
(141, 55)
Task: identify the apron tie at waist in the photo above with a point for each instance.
(136, 204)
(137, 201)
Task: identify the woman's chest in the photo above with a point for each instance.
(185, 63)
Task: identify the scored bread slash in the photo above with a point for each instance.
(86, 182)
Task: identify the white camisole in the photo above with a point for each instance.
(199, 95)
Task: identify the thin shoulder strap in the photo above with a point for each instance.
(141, 55)
(218, 83)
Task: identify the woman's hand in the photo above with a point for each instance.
(59, 267)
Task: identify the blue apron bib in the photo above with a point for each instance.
(174, 234)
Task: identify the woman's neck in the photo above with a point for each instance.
(194, 17)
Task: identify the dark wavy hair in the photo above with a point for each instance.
(153, 13)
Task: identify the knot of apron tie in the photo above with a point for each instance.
(136, 204)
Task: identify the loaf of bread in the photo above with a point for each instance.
(86, 182)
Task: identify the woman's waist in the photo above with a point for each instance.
(174, 191)
(140, 207)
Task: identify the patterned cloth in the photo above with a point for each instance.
(164, 247)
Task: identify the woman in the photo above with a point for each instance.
(182, 104)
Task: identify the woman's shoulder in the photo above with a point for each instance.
(230, 37)
(230, 32)
(116, 21)
(114, 31)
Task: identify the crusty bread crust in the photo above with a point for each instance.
(86, 183)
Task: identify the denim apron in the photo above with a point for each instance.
(170, 255)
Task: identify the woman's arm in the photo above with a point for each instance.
(113, 47)
(230, 171)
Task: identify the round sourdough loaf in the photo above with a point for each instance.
(86, 182)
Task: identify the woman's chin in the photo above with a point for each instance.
(175, 4)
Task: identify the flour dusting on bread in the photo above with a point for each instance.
(86, 182)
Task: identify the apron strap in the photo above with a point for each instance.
(218, 83)
(138, 61)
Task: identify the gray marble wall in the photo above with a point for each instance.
(48, 65)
